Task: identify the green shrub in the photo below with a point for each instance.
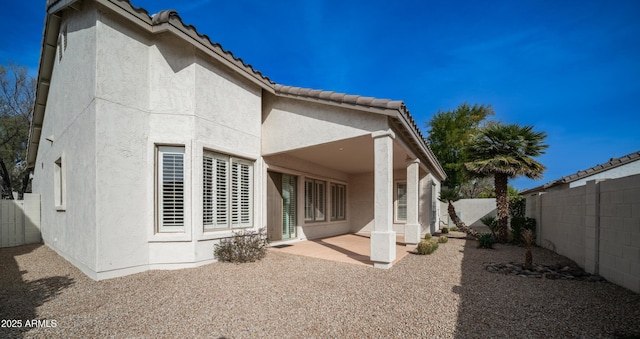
(519, 224)
(517, 206)
(427, 236)
(444, 230)
(427, 246)
(244, 246)
(453, 229)
(486, 240)
(443, 239)
(491, 222)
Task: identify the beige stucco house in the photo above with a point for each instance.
(150, 143)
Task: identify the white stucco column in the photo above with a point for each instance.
(383, 238)
(412, 227)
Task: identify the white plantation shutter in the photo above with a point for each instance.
(401, 213)
(308, 200)
(171, 189)
(320, 200)
(207, 191)
(227, 192)
(222, 193)
(240, 194)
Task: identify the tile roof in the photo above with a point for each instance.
(167, 19)
(166, 16)
(612, 163)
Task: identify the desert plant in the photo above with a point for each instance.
(519, 224)
(453, 229)
(444, 230)
(449, 196)
(243, 246)
(443, 239)
(528, 237)
(427, 236)
(517, 206)
(490, 221)
(427, 246)
(486, 240)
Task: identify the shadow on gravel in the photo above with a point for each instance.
(18, 298)
(505, 306)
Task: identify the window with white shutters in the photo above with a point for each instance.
(170, 189)
(401, 201)
(227, 192)
(338, 201)
(314, 200)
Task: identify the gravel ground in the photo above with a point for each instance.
(447, 294)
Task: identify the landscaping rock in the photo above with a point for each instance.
(551, 272)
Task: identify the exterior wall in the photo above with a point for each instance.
(70, 122)
(361, 196)
(625, 170)
(314, 124)
(470, 211)
(596, 225)
(302, 169)
(149, 90)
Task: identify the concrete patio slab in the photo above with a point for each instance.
(348, 248)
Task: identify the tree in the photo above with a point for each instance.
(505, 151)
(450, 196)
(17, 94)
(449, 133)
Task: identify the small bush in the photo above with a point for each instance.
(491, 222)
(427, 236)
(444, 230)
(244, 246)
(486, 240)
(443, 239)
(453, 229)
(427, 246)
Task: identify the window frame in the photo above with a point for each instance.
(60, 184)
(236, 210)
(161, 227)
(397, 202)
(314, 211)
(338, 202)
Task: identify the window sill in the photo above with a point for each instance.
(61, 208)
(170, 237)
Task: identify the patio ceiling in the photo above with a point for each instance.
(354, 155)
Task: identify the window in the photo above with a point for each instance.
(401, 201)
(314, 200)
(59, 185)
(170, 189)
(227, 192)
(338, 201)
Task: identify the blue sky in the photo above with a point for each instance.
(569, 68)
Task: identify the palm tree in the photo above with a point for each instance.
(450, 195)
(505, 151)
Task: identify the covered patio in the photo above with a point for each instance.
(352, 248)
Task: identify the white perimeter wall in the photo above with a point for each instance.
(470, 211)
(596, 225)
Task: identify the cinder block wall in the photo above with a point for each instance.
(596, 225)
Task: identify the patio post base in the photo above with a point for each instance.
(383, 248)
(412, 234)
(382, 265)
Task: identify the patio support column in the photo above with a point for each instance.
(412, 228)
(383, 238)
